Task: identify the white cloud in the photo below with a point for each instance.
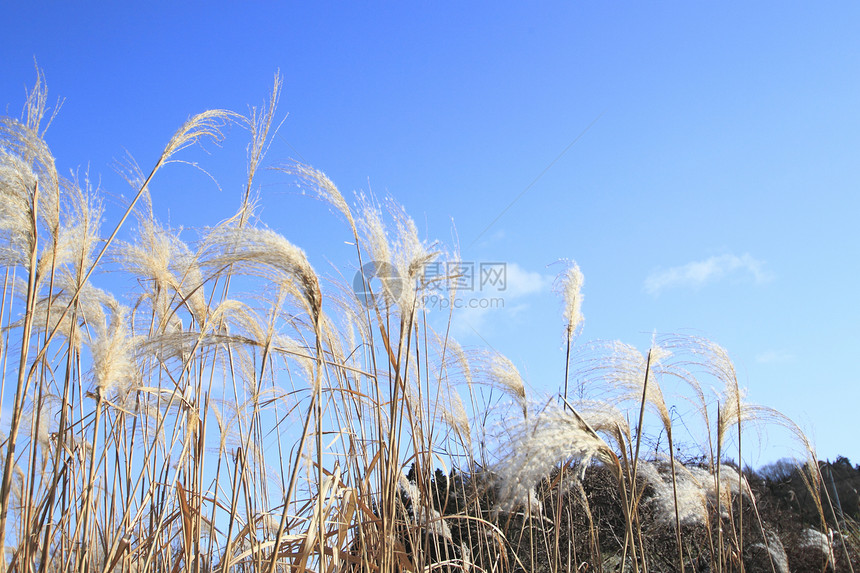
(698, 273)
(774, 357)
(480, 309)
(491, 238)
(521, 282)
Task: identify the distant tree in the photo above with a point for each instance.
(843, 484)
(779, 471)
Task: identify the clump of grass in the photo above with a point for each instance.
(236, 411)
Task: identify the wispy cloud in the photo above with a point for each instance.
(480, 309)
(774, 357)
(521, 282)
(493, 238)
(698, 273)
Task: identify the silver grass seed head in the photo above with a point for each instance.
(447, 401)
(402, 249)
(17, 186)
(114, 362)
(159, 257)
(411, 255)
(691, 493)
(730, 484)
(776, 550)
(733, 409)
(696, 490)
(265, 253)
(205, 125)
(332, 335)
(77, 233)
(423, 514)
(605, 419)
(301, 354)
(537, 444)
(627, 369)
(459, 356)
(325, 189)
(91, 308)
(569, 285)
(374, 238)
(232, 316)
(36, 163)
(260, 125)
(36, 105)
(506, 376)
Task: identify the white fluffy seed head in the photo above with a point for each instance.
(76, 234)
(454, 414)
(569, 286)
(696, 490)
(292, 349)
(114, 365)
(374, 238)
(627, 370)
(326, 190)
(205, 125)
(161, 258)
(402, 249)
(505, 375)
(459, 356)
(17, 184)
(265, 253)
(537, 444)
(607, 420)
(692, 493)
(90, 308)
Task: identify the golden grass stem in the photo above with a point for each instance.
(21, 389)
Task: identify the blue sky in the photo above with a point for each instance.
(712, 187)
